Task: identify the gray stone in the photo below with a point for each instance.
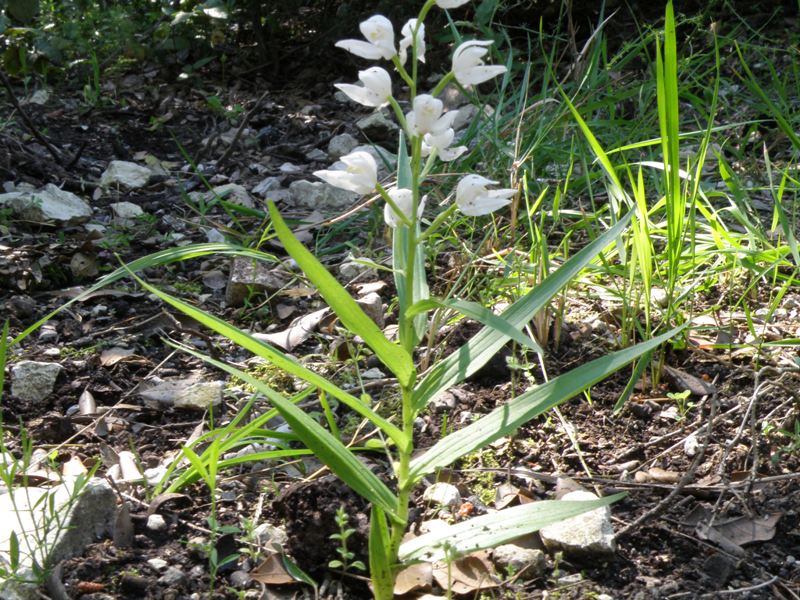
(125, 174)
(442, 494)
(28, 512)
(587, 535)
(288, 168)
(126, 213)
(466, 115)
(230, 192)
(239, 579)
(316, 155)
(248, 275)
(33, 381)
(266, 185)
(47, 204)
(172, 576)
(156, 522)
(320, 196)
(341, 144)
(158, 564)
(183, 393)
(530, 562)
(377, 126)
(351, 268)
(373, 306)
(270, 537)
(444, 402)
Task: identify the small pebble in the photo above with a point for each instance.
(159, 564)
(156, 522)
(172, 576)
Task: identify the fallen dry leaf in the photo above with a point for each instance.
(113, 355)
(272, 572)
(466, 575)
(415, 578)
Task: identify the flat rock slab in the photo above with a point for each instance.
(46, 205)
(589, 535)
(32, 380)
(125, 174)
(184, 393)
(51, 525)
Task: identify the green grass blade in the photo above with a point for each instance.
(496, 528)
(506, 419)
(277, 358)
(484, 345)
(156, 259)
(392, 355)
(341, 461)
(483, 315)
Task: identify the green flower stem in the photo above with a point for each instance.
(424, 11)
(443, 83)
(437, 222)
(404, 74)
(398, 112)
(429, 163)
(385, 195)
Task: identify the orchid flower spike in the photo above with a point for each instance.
(426, 116)
(404, 198)
(450, 3)
(360, 174)
(376, 91)
(441, 143)
(473, 199)
(468, 65)
(379, 33)
(407, 40)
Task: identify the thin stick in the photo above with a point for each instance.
(28, 123)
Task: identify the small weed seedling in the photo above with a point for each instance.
(345, 563)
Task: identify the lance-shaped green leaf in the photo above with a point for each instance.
(380, 561)
(280, 360)
(505, 420)
(335, 455)
(392, 355)
(494, 529)
(484, 345)
(483, 315)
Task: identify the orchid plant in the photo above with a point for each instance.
(427, 135)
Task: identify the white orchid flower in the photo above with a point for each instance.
(473, 199)
(376, 91)
(441, 143)
(379, 33)
(404, 198)
(360, 174)
(450, 3)
(407, 40)
(426, 116)
(468, 65)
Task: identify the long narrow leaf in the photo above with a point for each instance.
(505, 420)
(496, 528)
(392, 355)
(380, 565)
(341, 461)
(280, 360)
(484, 345)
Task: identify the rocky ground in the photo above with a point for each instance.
(713, 493)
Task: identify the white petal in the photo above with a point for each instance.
(359, 94)
(378, 80)
(379, 32)
(444, 123)
(477, 75)
(427, 111)
(406, 41)
(448, 154)
(343, 180)
(483, 205)
(450, 3)
(360, 48)
(404, 199)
